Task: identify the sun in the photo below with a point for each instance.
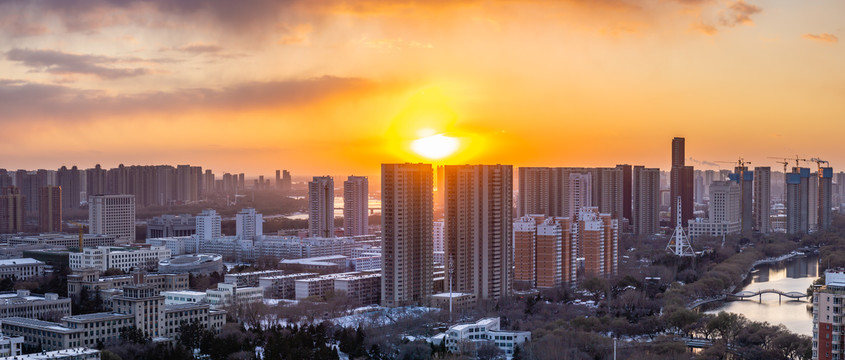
(435, 146)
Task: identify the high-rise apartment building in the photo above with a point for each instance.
(745, 179)
(11, 210)
(478, 204)
(627, 191)
(681, 183)
(321, 206)
(646, 200)
(249, 225)
(525, 250)
(597, 238)
(50, 209)
(580, 193)
(825, 195)
(762, 198)
(724, 211)
(112, 215)
(549, 251)
(534, 191)
(356, 206)
(407, 217)
(797, 207)
(828, 300)
(544, 251)
(71, 182)
(208, 226)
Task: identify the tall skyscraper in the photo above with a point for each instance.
(11, 210)
(321, 207)
(646, 202)
(112, 215)
(478, 204)
(580, 193)
(525, 250)
(286, 181)
(549, 262)
(278, 180)
(762, 198)
(69, 180)
(50, 209)
(681, 183)
(407, 217)
(356, 206)
(627, 191)
(249, 224)
(825, 196)
(611, 192)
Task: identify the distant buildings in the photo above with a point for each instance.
(762, 199)
(725, 211)
(356, 206)
(11, 210)
(646, 200)
(208, 225)
(321, 207)
(478, 228)
(171, 225)
(249, 225)
(195, 264)
(112, 215)
(808, 200)
(125, 259)
(50, 209)
(407, 212)
(681, 182)
(21, 269)
(64, 240)
(26, 305)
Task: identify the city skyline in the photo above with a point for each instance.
(245, 86)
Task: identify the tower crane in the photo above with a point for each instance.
(80, 226)
(819, 162)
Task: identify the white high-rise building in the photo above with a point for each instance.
(249, 225)
(356, 206)
(724, 211)
(580, 192)
(321, 206)
(438, 234)
(112, 215)
(208, 225)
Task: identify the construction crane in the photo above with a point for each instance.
(785, 161)
(80, 226)
(741, 163)
(819, 162)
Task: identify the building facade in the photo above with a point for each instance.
(407, 217)
(356, 206)
(112, 215)
(478, 233)
(50, 209)
(321, 206)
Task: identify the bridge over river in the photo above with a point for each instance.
(747, 294)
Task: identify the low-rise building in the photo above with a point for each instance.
(468, 337)
(123, 258)
(66, 354)
(171, 225)
(91, 280)
(460, 301)
(364, 287)
(64, 240)
(10, 346)
(26, 305)
(250, 278)
(21, 269)
(178, 245)
(231, 294)
(194, 264)
(331, 263)
(364, 263)
(183, 297)
(282, 286)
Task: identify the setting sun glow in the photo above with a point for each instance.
(435, 146)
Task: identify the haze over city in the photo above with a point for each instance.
(341, 86)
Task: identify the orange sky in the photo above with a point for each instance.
(344, 86)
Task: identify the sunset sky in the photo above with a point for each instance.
(339, 87)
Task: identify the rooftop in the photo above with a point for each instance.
(96, 316)
(23, 261)
(58, 354)
(46, 325)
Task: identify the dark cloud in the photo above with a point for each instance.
(22, 101)
(57, 62)
(739, 13)
(823, 37)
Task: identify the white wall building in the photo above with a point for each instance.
(208, 225)
(112, 215)
(231, 294)
(21, 269)
(105, 257)
(10, 346)
(183, 297)
(467, 337)
(249, 225)
(724, 207)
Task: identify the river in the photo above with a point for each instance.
(795, 274)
